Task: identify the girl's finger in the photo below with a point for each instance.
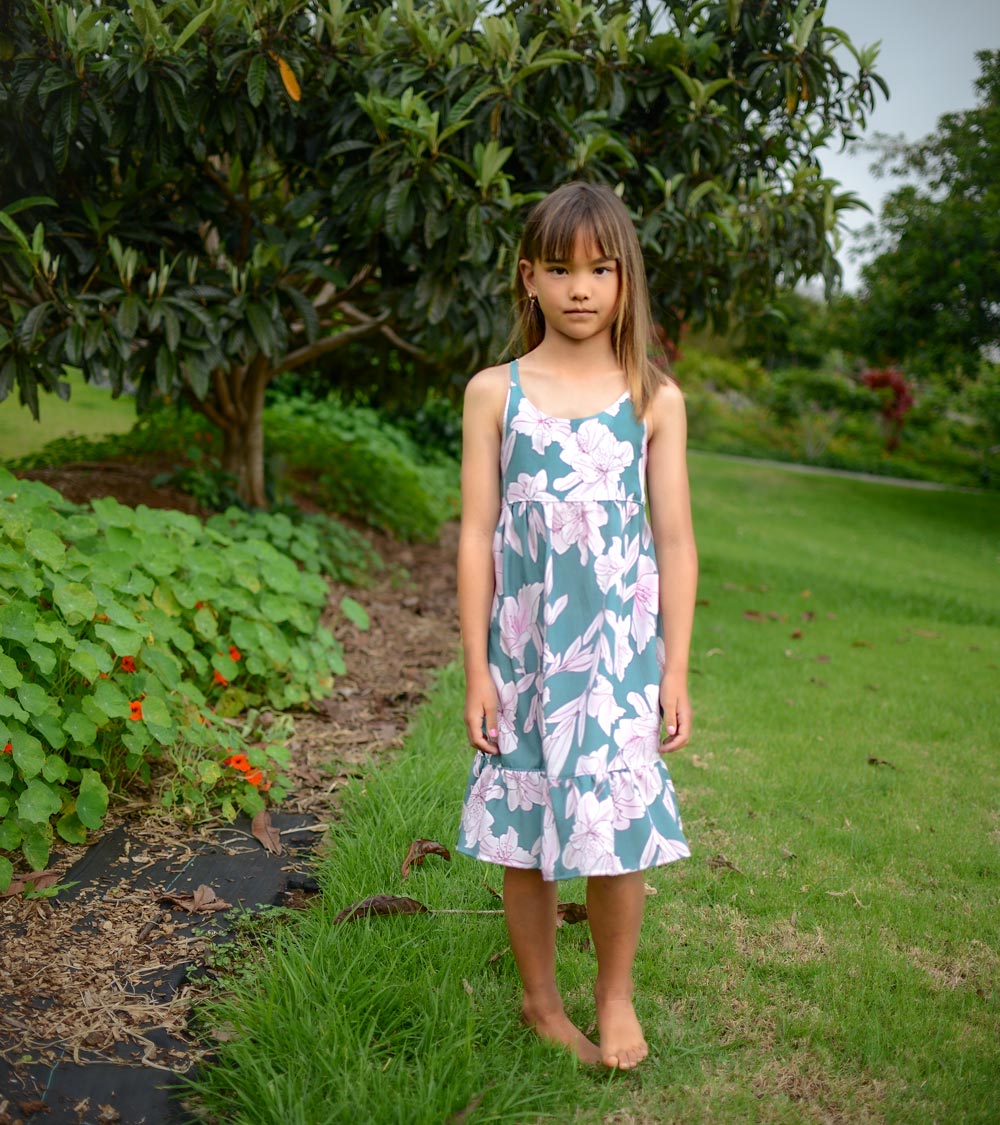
(492, 732)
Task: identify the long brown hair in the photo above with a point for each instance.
(550, 233)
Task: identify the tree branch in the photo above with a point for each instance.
(327, 344)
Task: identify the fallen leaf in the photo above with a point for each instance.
(29, 1108)
(698, 763)
(495, 894)
(288, 79)
(467, 987)
(720, 861)
(648, 889)
(492, 960)
(862, 644)
(808, 615)
(786, 854)
(822, 658)
(925, 633)
(36, 879)
(381, 905)
(753, 615)
(818, 683)
(807, 593)
(203, 900)
(108, 1115)
(264, 831)
(570, 913)
(796, 634)
(715, 652)
(418, 850)
(702, 601)
(873, 761)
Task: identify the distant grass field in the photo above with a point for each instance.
(829, 954)
(90, 412)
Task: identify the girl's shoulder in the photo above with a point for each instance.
(666, 407)
(486, 394)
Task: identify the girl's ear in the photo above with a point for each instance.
(527, 270)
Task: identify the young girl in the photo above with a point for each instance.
(574, 648)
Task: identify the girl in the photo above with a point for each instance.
(574, 649)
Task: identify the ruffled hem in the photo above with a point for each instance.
(567, 827)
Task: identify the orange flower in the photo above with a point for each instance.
(9, 748)
(135, 710)
(103, 675)
(219, 678)
(128, 664)
(234, 653)
(239, 762)
(255, 778)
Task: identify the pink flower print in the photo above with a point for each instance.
(628, 804)
(594, 764)
(611, 567)
(648, 781)
(538, 426)
(519, 621)
(510, 536)
(637, 738)
(670, 802)
(645, 596)
(591, 847)
(528, 489)
(507, 450)
(577, 525)
(559, 733)
(505, 849)
(551, 845)
(506, 712)
(597, 459)
(616, 649)
(602, 705)
(526, 789)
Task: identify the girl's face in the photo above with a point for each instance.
(578, 297)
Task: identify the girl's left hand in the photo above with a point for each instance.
(675, 709)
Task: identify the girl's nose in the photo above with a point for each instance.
(580, 287)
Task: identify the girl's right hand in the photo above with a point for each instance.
(481, 705)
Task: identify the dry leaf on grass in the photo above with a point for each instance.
(720, 861)
(873, 761)
(264, 831)
(418, 850)
(203, 900)
(380, 904)
(570, 913)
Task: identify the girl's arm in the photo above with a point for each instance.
(676, 554)
(481, 426)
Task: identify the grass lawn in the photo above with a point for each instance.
(90, 412)
(830, 952)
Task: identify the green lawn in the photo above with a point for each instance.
(90, 412)
(830, 952)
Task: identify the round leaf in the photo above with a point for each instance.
(38, 803)
(92, 800)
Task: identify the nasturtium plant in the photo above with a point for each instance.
(128, 639)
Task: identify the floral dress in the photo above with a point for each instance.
(579, 787)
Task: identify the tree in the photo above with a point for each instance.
(195, 198)
(931, 297)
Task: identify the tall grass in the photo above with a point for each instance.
(830, 951)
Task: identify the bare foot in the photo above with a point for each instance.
(622, 1044)
(556, 1027)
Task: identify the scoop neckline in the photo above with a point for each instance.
(557, 417)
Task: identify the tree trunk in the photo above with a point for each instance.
(236, 406)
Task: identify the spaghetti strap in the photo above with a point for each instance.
(513, 374)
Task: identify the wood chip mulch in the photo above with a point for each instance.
(76, 969)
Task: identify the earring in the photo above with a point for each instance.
(532, 298)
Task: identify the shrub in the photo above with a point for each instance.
(130, 634)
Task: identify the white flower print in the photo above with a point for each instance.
(477, 820)
(559, 733)
(628, 803)
(528, 489)
(616, 651)
(611, 567)
(526, 789)
(594, 764)
(637, 738)
(602, 705)
(596, 458)
(519, 621)
(506, 850)
(577, 525)
(539, 427)
(659, 850)
(591, 847)
(507, 694)
(551, 845)
(648, 781)
(644, 594)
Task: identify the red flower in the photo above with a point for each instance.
(198, 605)
(219, 678)
(128, 664)
(9, 748)
(255, 778)
(135, 710)
(235, 654)
(239, 762)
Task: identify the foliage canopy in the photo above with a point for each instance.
(195, 198)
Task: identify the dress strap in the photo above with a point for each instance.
(513, 374)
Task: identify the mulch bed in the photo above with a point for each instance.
(98, 983)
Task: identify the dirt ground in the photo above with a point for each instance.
(69, 975)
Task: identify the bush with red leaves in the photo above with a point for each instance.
(896, 405)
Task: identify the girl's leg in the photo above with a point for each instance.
(614, 908)
(530, 909)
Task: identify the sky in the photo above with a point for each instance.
(928, 60)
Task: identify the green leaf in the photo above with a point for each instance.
(128, 316)
(38, 803)
(35, 699)
(90, 660)
(75, 601)
(10, 677)
(42, 657)
(6, 872)
(355, 612)
(158, 719)
(111, 700)
(123, 642)
(10, 834)
(71, 829)
(35, 844)
(257, 80)
(92, 800)
(55, 768)
(17, 622)
(46, 547)
(49, 726)
(204, 624)
(80, 728)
